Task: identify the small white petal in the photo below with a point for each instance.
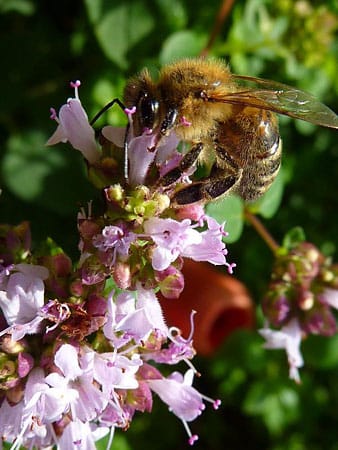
(330, 297)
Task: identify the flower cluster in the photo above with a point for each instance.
(301, 295)
(81, 344)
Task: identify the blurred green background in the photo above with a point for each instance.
(44, 45)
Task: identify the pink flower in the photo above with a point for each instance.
(141, 154)
(11, 421)
(43, 400)
(143, 151)
(41, 406)
(172, 239)
(211, 248)
(167, 154)
(114, 371)
(73, 126)
(116, 135)
(330, 297)
(114, 239)
(80, 436)
(179, 349)
(24, 294)
(183, 400)
(136, 317)
(176, 391)
(289, 338)
(22, 300)
(76, 385)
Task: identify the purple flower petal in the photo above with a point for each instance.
(75, 128)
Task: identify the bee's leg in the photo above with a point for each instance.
(187, 161)
(223, 178)
(225, 160)
(206, 190)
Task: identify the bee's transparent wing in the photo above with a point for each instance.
(280, 98)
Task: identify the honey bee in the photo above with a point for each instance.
(229, 120)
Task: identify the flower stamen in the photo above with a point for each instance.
(75, 85)
(192, 437)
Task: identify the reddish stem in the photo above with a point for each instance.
(262, 231)
(222, 14)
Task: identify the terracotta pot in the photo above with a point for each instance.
(222, 303)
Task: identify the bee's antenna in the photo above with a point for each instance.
(125, 143)
(105, 108)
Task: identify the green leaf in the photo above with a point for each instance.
(277, 404)
(52, 177)
(230, 210)
(321, 352)
(118, 27)
(173, 13)
(120, 442)
(293, 238)
(24, 7)
(49, 247)
(182, 44)
(27, 163)
(105, 90)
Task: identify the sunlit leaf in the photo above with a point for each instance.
(230, 210)
(119, 26)
(182, 44)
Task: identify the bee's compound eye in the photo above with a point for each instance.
(148, 109)
(202, 94)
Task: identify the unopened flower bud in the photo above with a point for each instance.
(122, 275)
(162, 202)
(306, 300)
(60, 265)
(276, 304)
(9, 346)
(76, 288)
(96, 305)
(15, 243)
(194, 211)
(25, 364)
(114, 193)
(8, 367)
(171, 282)
(320, 320)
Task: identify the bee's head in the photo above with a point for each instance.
(151, 111)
